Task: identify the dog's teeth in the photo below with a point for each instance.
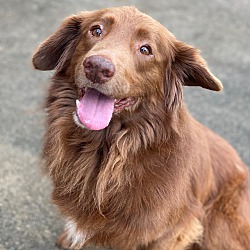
(77, 103)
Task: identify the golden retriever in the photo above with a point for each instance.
(131, 169)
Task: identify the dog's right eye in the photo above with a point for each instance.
(96, 31)
(146, 50)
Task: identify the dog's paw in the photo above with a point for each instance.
(72, 238)
(64, 241)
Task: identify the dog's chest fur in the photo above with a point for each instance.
(106, 180)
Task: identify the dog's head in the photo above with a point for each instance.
(119, 59)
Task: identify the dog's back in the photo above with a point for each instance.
(228, 210)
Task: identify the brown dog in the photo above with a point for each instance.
(131, 169)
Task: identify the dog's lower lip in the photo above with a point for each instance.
(120, 104)
(81, 92)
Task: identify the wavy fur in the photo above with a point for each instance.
(154, 179)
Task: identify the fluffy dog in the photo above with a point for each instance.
(131, 169)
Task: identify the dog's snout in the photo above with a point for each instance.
(98, 69)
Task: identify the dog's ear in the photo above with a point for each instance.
(188, 68)
(192, 68)
(58, 48)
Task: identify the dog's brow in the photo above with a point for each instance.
(108, 19)
(143, 33)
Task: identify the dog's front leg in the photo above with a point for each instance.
(184, 239)
(64, 242)
(72, 237)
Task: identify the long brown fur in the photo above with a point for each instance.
(155, 178)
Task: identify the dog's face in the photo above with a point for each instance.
(120, 59)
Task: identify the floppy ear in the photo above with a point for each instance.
(190, 69)
(56, 50)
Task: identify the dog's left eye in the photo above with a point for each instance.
(96, 31)
(146, 50)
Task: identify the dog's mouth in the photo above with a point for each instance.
(95, 110)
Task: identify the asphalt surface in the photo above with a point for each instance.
(219, 28)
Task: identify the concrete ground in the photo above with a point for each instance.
(220, 28)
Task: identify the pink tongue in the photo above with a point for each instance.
(95, 110)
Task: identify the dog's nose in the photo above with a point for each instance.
(98, 69)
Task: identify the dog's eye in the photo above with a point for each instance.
(146, 50)
(96, 31)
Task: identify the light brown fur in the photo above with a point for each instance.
(155, 178)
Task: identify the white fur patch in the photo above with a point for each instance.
(76, 120)
(75, 236)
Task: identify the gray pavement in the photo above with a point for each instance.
(220, 28)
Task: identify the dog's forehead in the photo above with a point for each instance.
(129, 18)
(127, 14)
